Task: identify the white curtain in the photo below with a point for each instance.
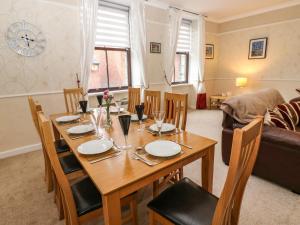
(88, 14)
(138, 43)
(175, 18)
(201, 80)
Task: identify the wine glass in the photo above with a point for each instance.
(100, 100)
(159, 117)
(140, 112)
(118, 105)
(96, 118)
(125, 124)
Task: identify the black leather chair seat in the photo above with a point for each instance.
(61, 146)
(87, 197)
(69, 164)
(185, 203)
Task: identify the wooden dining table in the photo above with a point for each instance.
(120, 176)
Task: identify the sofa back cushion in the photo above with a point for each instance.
(292, 109)
(280, 119)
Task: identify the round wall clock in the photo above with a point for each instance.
(25, 39)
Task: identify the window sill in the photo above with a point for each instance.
(181, 85)
(112, 92)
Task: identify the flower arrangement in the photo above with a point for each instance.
(107, 103)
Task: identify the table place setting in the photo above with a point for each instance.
(98, 150)
(80, 131)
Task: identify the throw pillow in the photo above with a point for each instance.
(274, 118)
(292, 109)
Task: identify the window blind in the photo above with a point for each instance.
(112, 27)
(184, 36)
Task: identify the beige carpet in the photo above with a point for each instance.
(24, 201)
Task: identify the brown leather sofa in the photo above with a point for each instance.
(278, 159)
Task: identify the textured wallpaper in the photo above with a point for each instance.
(55, 68)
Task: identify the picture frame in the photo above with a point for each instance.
(155, 47)
(209, 51)
(258, 48)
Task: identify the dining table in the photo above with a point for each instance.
(119, 176)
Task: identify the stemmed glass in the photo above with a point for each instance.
(83, 106)
(118, 105)
(159, 117)
(140, 112)
(96, 121)
(125, 124)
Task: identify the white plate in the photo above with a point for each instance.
(134, 117)
(95, 147)
(65, 119)
(163, 148)
(81, 129)
(166, 127)
(114, 109)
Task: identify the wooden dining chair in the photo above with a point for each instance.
(134, 98)
(72, 98)
(176, 106)
(81, 201)
(151, 102)
(186, 203)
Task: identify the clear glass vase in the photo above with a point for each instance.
(108, 120)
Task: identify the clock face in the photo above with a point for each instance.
(25, 39)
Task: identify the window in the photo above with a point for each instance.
(111, 66)
(182, 53)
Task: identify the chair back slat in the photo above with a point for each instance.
(244, 151)
(35, 107)
(176, 109)
(63, 183)
(151, 102)
(134, 98)
(72, 97)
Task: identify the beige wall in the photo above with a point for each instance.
(281, 68)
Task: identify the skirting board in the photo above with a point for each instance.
(20, 150)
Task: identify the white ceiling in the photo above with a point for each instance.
(224, 10)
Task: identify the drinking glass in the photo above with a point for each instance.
(140, 112)
(118, 105)
(96, 118)
(83, 105)
(125, 124)
(100, 99)
(159, 117)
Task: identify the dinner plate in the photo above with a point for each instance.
(166, 127)
(81, 129)
(163, 148)
(95, 147)
(114, 109)
(65, 119)
(134, 117)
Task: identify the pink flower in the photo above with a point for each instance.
(106, 92)
(105, 97)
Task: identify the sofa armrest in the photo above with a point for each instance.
(282, 137)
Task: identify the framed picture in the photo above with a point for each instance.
(155, 47)
(258, 48)
(209, 51)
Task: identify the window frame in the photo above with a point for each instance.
(128, 51)
(187, 54)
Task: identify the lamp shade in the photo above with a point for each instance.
(241, 81)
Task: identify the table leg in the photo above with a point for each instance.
(112, 209)
(56, 133)
(208, 169)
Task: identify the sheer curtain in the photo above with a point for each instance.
(201, 93)
(88, 14)
(138, 43)
(175, 18)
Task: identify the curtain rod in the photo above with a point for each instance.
(173, 7)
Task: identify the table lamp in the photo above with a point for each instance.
(241, 81)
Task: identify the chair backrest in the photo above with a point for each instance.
(35, 107)
(151, 102)
(134, 98)
(64, 188)
(72, 97)
(176, 109)
(244, 151)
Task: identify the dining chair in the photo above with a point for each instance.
(151, 102)
(81, 200)
(60, 145)
(72, 97)
(176, 106)
(186, 203)
(134, 98)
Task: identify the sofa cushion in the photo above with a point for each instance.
(292, 109)
(274, 118)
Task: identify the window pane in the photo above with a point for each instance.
(117, 68)
(180, 68)
(98, 77)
